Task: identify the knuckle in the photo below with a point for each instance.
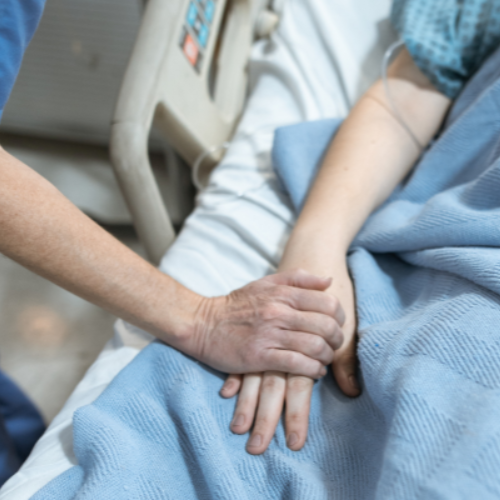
(296, 275)
(267, 279)
(340, 314)
(334, 304)
(251, 353)
(270, 311)
(317, 346)
(262, 423)
(292, 362)
(284, 292)
(247, 409)
(317, 369)
(295, 419)
(299, 384)
(330, 325)
(268, 358)
(328, 357)
(270, 383)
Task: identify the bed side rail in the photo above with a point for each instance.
(193, 93)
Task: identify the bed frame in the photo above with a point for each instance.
(187, 74)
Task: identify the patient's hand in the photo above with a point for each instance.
(283, 322)
(261, 396)
(260, 402)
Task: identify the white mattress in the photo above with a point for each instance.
(324, 54)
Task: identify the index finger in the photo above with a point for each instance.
(300, 279)
(315, 301)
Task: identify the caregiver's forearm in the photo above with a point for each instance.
(254, 328)
(369, 156)
(42, 230)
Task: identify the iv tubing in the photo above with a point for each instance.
(385, 66)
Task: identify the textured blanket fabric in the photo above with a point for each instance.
(427, 272)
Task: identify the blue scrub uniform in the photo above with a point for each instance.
(18, 22)
(448, 39)
(20, 423)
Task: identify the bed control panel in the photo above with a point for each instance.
(196, 30)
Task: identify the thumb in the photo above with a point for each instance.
(344, 367)
(300, 279)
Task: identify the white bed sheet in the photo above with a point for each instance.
(323, 56)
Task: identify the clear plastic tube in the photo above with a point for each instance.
(387, 59)
(385, 67)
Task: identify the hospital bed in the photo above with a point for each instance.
(321, 57)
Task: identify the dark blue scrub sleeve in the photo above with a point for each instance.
(20, 423)
(18, 22)
(20, 427)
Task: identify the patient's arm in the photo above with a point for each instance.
(369, 156)
(282, 322)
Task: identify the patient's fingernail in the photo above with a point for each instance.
(354, 382)
(255, 441)
(292, 439)
(238, 420)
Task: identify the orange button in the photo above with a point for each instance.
(190, 49)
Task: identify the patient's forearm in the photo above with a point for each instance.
(369, 156)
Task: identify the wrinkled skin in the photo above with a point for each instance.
(284, 322)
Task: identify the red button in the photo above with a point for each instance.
(190, 49)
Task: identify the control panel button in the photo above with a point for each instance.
(196, 30)
(192, 14)
(209, 10)
(190, 49)
(203, 35)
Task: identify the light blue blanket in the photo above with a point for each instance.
(427, 272)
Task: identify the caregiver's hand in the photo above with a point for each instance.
(261, 396)
(283, 322)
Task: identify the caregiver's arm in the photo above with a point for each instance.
(282, 322)
(368, 157)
